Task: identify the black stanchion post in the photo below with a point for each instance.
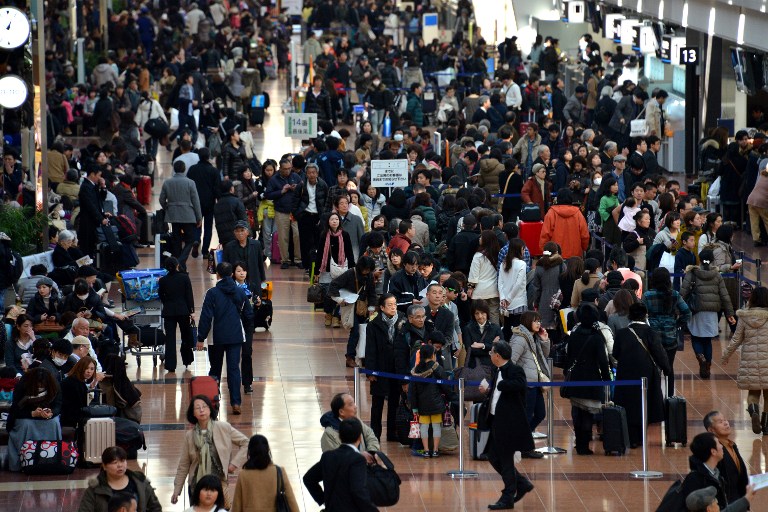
(550, 449)
(461, 472)
(758, 264)
(645, 473)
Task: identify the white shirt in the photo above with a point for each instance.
(189, 159)
(311, 206)
(353, 447)
(483, 273)
(512, 96)
(512, 285)
(496, 394)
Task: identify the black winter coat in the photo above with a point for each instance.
(635, 362)
(352, 280)
(461, 249)
(509, 425)
(427, 397)
(700, 477)
(320, 105)
(380, 350)
(321, 196)
(36, 307)
(233, 161)
(176, 295)
(228, 210)
(586, 352)
(208, 182)
(406, 288)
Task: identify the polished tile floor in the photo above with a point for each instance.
(299, 365)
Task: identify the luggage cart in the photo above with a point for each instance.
(147, 316)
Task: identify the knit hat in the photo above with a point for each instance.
(537, 167)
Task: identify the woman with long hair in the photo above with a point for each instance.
(248, 189)
(725, 260)
(712, 223)
(574, 271)
(483, 275)
(512, 280)
(669, 235)
(530, 349)
(637, 242)
(546, 283)
(175, 291)
(118, 389)
(208, 495)
(76, 386)
(115, 477)
(619, 317)
(752, 337)
(667, 312)
(266, 211)
(588, 361)
(20, 343)
(257, 483)
(609, 188)
(34, 412)
(589, 278)
(336, 252)
(704, 290)
(211, 447)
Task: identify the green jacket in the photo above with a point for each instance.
(413, 107)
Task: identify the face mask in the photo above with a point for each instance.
(597, 181)
(58, 361)
(82, 297)
(376, 83)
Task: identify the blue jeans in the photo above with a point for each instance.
(702, 346)
(534, 407)
(216, 358)
(151, 145)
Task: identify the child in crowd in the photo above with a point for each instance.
(429, 399)
(629, 209)
(685, 256)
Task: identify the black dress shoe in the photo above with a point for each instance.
(533, 454)
(501, 505)
(522, 491)
(195, 249)
(248, 390)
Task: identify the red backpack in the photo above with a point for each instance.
(126, 228)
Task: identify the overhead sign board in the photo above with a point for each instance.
(389, 173)
(300, 126)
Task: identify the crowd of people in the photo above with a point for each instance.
(485, 262)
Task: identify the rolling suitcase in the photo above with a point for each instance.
(675, 420)
(147, 234)
(99, 435)
(130, 437)
(144, 190)
(262, 315)
(530, 232)
(256, 116)
(615, 433)
(275, 249)
(478, 439)
(207, 386)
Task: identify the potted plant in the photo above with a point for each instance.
(26, 227)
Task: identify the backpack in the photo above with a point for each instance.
(673, 500)
(129, 436)
(126, 228)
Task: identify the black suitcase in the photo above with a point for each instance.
(262, 315)
(256, 116)
(530, 213)
(150, 336)
(130, 437)
(109, 234)
(615, 433)
(478, 439)
(675, 420)
(147, 229)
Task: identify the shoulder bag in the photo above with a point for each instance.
(638, 127)
(281, 500)
(645, 347)
(565, 391)
(383, 482)
(478, 373)
(361, 306)
(541, 375)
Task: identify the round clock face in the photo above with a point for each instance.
(13, 91)
(14, 28)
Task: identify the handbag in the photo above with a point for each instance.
(347, 314)
(693, 296)
(214, 145)
(315, 294)
(156, 128)
(447, 417)
(336, 269)
(383, 483)
(281, 500)
(193, 327)
(414, 431)
(48, 457)
(478, 373)
(638, 127)
(361, 306)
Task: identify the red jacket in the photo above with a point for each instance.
(531, 193)
(565, 225)
(402, 242)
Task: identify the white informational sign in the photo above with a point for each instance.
(429, 28)
(759, 481)
(293, 7)
(389, 173)
(300, 126)
(628, 30)
(437, 143)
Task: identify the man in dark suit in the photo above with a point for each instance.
(732, 467)
(208, 182)
(91, 211)
(504, 412)
(343, 474)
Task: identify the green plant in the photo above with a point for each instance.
(25, 227)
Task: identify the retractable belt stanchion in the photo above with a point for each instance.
(550, 449)
(645, 473)
(356, 384)
(461, 472)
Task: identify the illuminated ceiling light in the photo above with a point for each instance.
(661, 10)
(740, 31)
(762, 8)
(711, 28)
(640, 6)
(620, 4)
(685, 15)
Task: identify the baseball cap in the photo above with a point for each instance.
(699, 500)
(81, 340)
(241, 224)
